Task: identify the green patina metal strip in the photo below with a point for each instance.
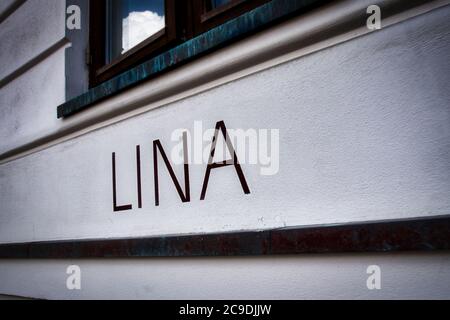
(231, 30)
(418, 234)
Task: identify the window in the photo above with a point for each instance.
(211, 13)
(125, 33)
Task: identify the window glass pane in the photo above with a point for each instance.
(130, 22)
(217, 3)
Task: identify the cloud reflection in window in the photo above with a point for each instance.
(139, 26)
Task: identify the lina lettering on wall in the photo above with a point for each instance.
(185, 195)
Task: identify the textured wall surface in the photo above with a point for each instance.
(31, 70)
(30, 30)
(364, 135)
(5, 4)
(407, 276)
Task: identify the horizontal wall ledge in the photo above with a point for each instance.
(421, 234)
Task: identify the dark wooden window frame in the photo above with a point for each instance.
(100, 71)
(205, 18)
(184, 20)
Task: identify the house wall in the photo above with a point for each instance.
(363, 120)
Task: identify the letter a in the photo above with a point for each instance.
(234, 161)
(74, 20)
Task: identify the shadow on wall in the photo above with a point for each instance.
(3, 297)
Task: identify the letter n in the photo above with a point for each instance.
(234, 161)
(185, 197)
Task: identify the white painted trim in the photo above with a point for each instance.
(330, 25)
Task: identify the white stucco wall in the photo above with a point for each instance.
(364, 131)
(31, 71)
(407, 276)
(364, 135)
